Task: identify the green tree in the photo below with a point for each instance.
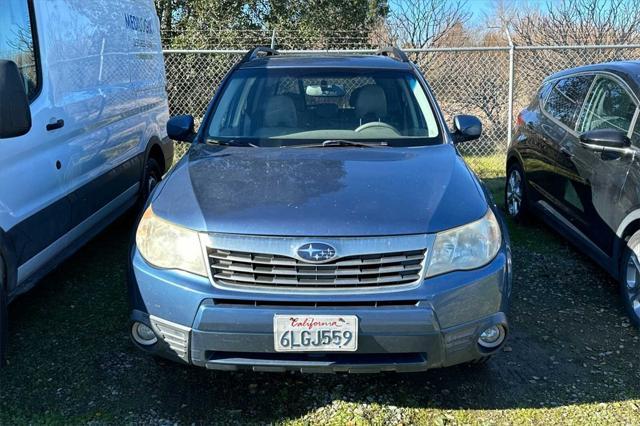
(299, 23)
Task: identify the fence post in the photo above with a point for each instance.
(512, 50)
(273, 39)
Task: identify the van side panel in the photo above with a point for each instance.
(147, 67)
(93, 84)
(34, 207)
(103, 75)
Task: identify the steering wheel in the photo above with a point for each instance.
(378, 124)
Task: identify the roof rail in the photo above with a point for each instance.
(394, 53)
(259, 51)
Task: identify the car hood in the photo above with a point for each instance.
(321, 191)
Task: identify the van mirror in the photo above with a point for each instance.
(466, 128)
(605, 138)
(181, 128)
(15, 113)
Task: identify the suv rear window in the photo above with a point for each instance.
(275, 107)
(565, 99)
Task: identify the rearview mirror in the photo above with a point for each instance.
(181, 128)
(605, 138)
(15, 113)
(325, 90)
(466, 128)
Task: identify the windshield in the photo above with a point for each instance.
(283, 107)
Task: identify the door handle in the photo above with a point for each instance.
(54, 126)
(566, 152)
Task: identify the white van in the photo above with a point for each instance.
(83, 113)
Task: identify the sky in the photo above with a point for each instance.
(481, 8)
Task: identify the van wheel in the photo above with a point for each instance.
(4, 317)
(515, 194)
(152, 177)
(630, 279)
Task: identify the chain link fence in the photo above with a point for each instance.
(494, 83)
(221, 39)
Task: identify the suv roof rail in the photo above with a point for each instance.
(259, 51)
(394, 53)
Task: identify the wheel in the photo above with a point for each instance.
(4, 317)
(152, 176)
(630, 279)
(515, 194)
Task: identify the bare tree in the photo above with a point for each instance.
(423, 23)
(579, 22)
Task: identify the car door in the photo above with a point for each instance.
(537, 150)
(561, 110)
(34, 207)
(599, 177)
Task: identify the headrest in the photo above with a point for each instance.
(371, 101)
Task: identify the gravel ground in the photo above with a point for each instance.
(572, 358)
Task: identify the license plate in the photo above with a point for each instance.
(315, 333)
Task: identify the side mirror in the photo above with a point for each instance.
(15, 113)
(605, 138)
(466, 128)
(181, 128)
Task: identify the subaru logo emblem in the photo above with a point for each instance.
(316, 252)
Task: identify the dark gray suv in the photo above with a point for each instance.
(574, 161)
(322, 220)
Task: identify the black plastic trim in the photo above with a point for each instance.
(257, 52)
(38, 231)
(394, 53)
(36, 50)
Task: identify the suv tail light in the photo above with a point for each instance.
(520, 119)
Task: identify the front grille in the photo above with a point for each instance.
(362, 271)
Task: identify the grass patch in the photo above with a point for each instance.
(571, 357)
(487, 166)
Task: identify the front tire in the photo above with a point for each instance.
(630, 279)
(515, 193)
(152, 177)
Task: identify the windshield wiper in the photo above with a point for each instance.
(343, 142)
(230, 142)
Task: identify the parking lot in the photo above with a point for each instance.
(572, 357)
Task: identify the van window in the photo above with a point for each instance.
(565, 100)
(609, 107)
(16, 41)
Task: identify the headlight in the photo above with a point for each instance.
(169, 246)
(467, 247)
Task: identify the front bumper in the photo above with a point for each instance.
(436, 324)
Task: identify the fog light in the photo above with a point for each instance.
(492, 337)
(143, 334)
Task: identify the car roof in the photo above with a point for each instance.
(327, 61)
(629, 70)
